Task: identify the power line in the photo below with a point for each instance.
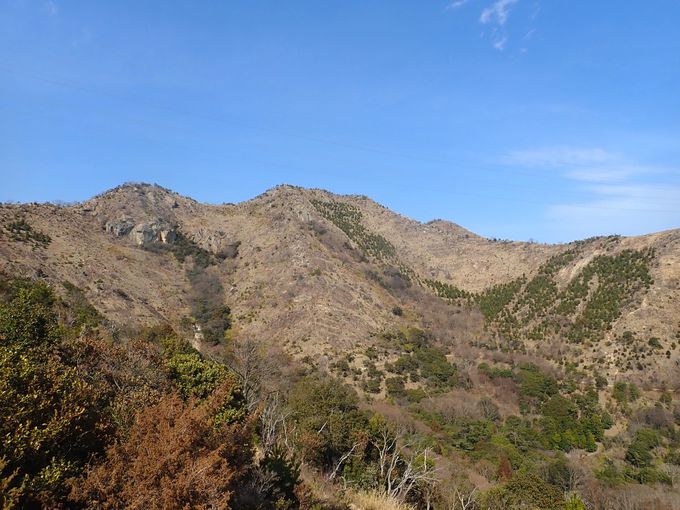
(364, 148)
(240, 125)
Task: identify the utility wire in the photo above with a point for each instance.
(364, 148)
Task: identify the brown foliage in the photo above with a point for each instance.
(175, 457)
(504, 469)
(126, 373)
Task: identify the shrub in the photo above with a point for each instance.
(50, 419)
(666, 398)
(415, 395)
(21, 231)
(395, 387)
(328, 419)
(156, 466)
(639, 453)
(525, 491)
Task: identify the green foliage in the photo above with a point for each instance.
(395, 387)
(648, 475)
(435, 368)
(86, 315)
(524, 491)
(49, 416)
(493, 301)
(535, 386)
(655, 343)
(495, 371)
(618, 277)
(348, 218)
(666, 398)
(467, 433)
(574, 503)
(565, 426)
(207, 295)
(620, 392)
(285, 473)
(371, 385)
(328, 419)
(624, 392)
(415, 395)
(422, 361)
(609, 473)
(27, 321)
(566, 421)
(633, 392)
(585, 310)
(639, 452)
(181, 248)
(195, 376)
(446, 290)
(21, 231)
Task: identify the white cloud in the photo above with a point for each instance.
(500, 43)
(561, 157)
(606, 173)
(585, 164)
(458, 3)
(630, 209)
(498, 12)
(494, 16)
(618, 194)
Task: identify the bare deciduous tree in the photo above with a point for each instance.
(402, 467)
(341, 461)
(273, 422)
(462, 496)
(251, 367)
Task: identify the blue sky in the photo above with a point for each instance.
(552, 120)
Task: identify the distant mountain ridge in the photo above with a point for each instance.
(315, 274)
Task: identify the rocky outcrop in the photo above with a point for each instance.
(158, 231)
(153, 232)
(119, 228)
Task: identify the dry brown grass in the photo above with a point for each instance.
(365, 500)
(311, 291)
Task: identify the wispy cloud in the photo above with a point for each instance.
(456, 4)
(498, 12)
(51, 8)
(560, 156)
(631, 209)
(494, 17)
(619, 195)
(581, 164)
(500, 43)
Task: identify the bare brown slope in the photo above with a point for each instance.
(287, 284)
(444, 251)
(291, 276)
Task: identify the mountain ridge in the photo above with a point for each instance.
(317, 273)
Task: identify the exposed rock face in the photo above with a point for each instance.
(158, 231)
(168, 236)
(119, 228)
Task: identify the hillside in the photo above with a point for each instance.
(526, 372)
(285, 265)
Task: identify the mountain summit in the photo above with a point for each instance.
(316, 274)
